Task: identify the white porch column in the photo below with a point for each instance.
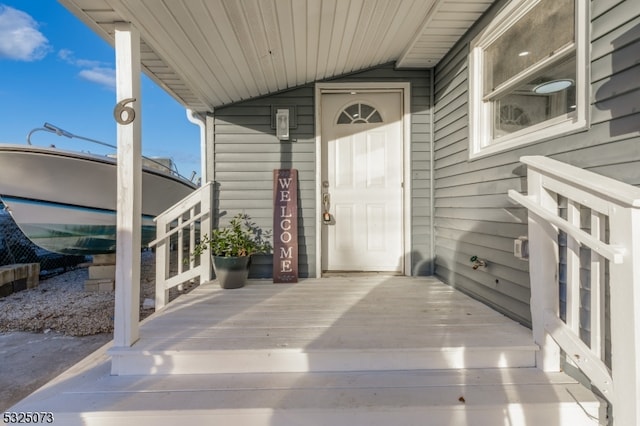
(129, 207)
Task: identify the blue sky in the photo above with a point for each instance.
(54, 69)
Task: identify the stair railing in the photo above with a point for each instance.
(610, 251)
(177, 231)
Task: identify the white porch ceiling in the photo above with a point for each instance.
(208, 53)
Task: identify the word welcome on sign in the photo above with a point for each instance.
(285, 226)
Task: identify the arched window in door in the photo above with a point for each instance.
(359, 113)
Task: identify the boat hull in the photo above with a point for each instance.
(65, 202)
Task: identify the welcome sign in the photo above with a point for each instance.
(285, 226)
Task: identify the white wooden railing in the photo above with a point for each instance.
(176, 231)
(613, 210)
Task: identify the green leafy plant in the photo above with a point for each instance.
(242, 237)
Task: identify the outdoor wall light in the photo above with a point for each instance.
(553, 86)
(282, 124)
(283, 119)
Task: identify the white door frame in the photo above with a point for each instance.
(404, 89)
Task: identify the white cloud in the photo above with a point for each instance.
(69, 57)
(103, 76)
(21, 40)
(66, 55)
(94, 71)
(19, 36)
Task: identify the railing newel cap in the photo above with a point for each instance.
(610, 189)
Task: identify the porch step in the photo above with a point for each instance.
(376, 324)
(135, 361)
(445, 397)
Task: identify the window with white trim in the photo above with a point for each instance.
(528, 75)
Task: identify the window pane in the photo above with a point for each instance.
(549, 26)
(353, 111)
(366, 110)
(551, 94)
(375, 118)
(344, 118)
(359, 113)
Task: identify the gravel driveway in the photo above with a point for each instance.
(47, 329)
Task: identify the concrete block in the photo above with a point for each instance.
(33, 279)
(6, 274)
(97, 272)
(19, 285)
(19, 277)
(104, 259)
(20, 271)
(6, 289)
(29, 272)
(99, 285)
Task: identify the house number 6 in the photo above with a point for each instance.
(124, 114)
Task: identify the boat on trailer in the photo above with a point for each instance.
(65, 201)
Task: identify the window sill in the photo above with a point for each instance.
(564, 128)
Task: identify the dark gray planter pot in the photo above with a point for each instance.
(261, 266)
(231, 272)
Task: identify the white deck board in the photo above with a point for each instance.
(371, 312)
(348, 337)
(317, 390)
(374, 351)
(339, 323)
(522, 396)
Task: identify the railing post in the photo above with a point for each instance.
(598, 288)
(625, 316)
(162, 264)
(205, 228)
(543, 270)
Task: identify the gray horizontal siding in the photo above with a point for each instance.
(246, 151)
(472, 213)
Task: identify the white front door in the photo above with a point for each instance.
(362, 172)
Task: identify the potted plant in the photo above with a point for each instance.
(231, 249)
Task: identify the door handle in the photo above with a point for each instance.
(326, 216)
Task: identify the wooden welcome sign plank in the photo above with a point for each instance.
(285, 226)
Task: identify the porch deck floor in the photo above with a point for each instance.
(384, 327)
(369, 322)
(362, 312)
